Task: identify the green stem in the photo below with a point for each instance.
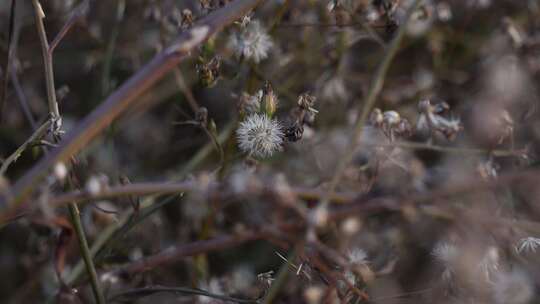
(39, 133)
(85, 251)
(281, 279)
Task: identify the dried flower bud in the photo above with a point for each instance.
(250, 104)
(430, 119)
(294, 132)
(376, 118)
(488, 169)
(404, 128)
(269, 100)
(209, 72)
(187, 19)
(205, 4)
(201, 116)
(391, 118)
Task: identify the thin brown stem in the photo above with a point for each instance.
(185, 90)
(75, 16)
(453, 150)
(141, 189)
(38, 134)
(179, 252)
(21, 97)
(7, 63)
(47, 61)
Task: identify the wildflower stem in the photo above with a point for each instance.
(111, 45)
(75, 16)
(455, 150)
(47, 60)
(116, 230)
(281, 278)
(279, 16)
(7, 62)
(185, 90)
(39, 133)
(141, 189)
(371, 97)
(85, 251)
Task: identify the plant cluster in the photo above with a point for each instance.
(279, 151)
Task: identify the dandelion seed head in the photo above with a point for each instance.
(445, 253)
(252, 42)
(357, 256)
(259, 136)
(528, 244)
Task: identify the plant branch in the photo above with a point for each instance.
(38, 134)
(447, 149)
(85, 251)
(178, 252)
(23, 101)
(47, 61)
(75, 16)
(141, 189)
(7, 63)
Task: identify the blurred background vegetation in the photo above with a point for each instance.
(480, 59)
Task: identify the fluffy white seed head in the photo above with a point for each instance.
(528, 244)
(252, 42)
(445, 253)
(358, 256)
(259, 136)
